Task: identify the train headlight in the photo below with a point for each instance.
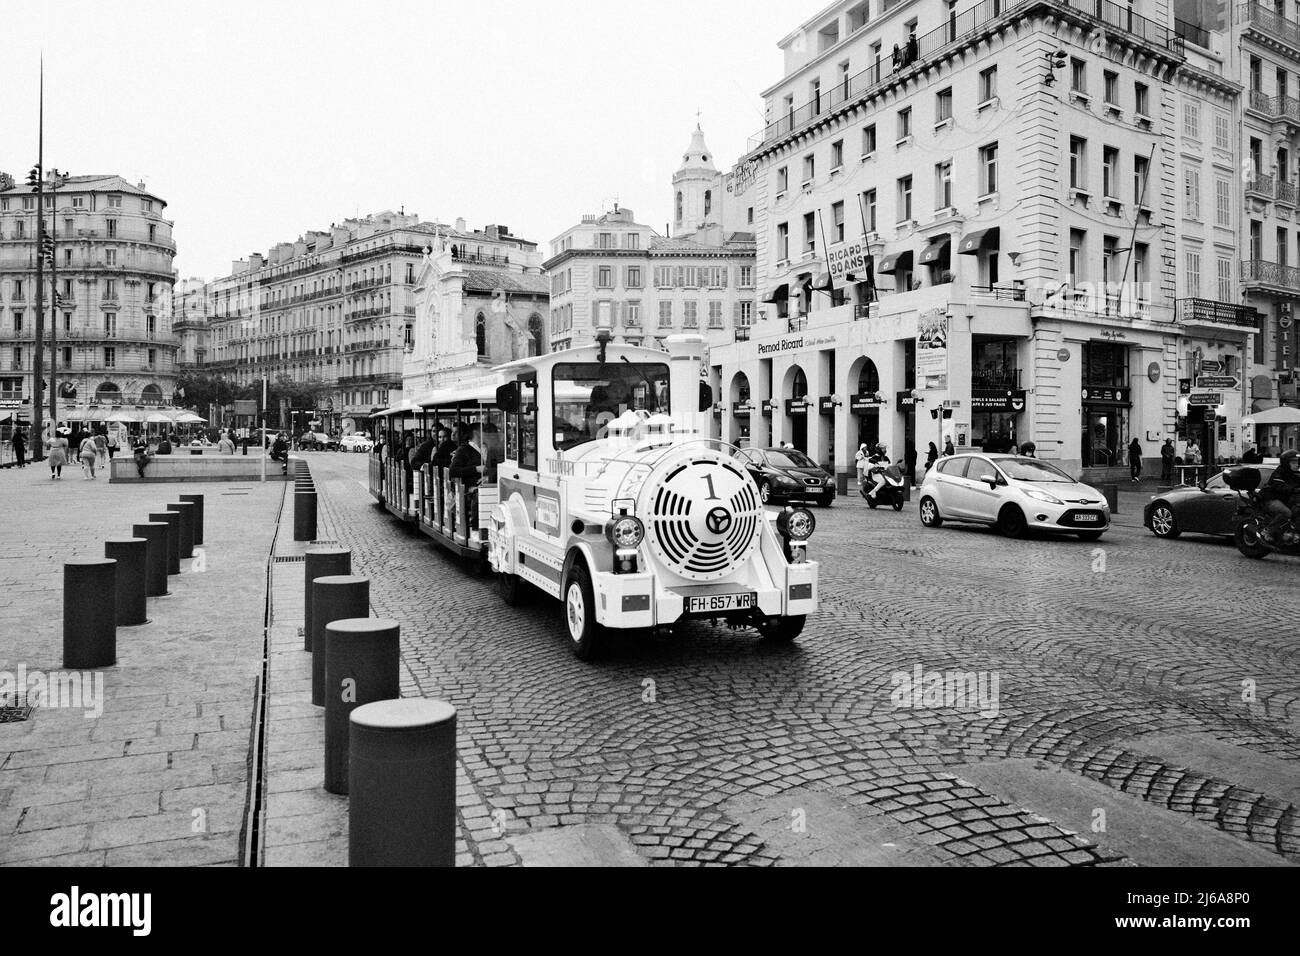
(625, 533)
(796, 524)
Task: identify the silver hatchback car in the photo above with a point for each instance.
(1012, 493)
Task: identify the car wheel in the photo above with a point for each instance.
(765, 491)
(1090, 535)
(785, 630)
(587, 638)
(1012, 523)
(1163, 522)
(930, 516)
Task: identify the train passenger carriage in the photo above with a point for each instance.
(597, 484)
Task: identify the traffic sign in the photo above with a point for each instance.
(1229, 382)
(1205, 398)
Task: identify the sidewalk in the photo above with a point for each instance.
(154, 771)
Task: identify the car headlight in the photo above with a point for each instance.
(625, 532)
(796, 524)
(1043, 496)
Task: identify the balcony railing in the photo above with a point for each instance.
(1269, 21)
(1275, 107)
(957, 30)
(1008, 293)
(1199, 311)
(1192, 33)
(1263, 272)
(477, 259)
(742, 333)
(1261, 183)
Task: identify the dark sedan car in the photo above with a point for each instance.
(1205, 510)
(785, 474)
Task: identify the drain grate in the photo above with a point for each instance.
(14, 707)
(290, 559)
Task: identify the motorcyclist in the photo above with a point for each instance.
(1281, 496)
(875, 470)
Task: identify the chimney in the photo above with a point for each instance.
(460, 225)
(255, 261)
(493, 232)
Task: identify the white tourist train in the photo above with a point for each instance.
(592, 480)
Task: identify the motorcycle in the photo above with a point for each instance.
(893, 492)
(1253, 518)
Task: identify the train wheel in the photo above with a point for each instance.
(586, 636)
(511, 589)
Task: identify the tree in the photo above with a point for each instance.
(201, 390)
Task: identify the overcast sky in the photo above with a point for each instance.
(259, 121)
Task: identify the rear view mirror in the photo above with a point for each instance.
(509, 398)
(990, 480)
(706, 397)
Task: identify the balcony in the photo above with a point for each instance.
(742, 333)
(367, 313)
(1263, 274)
(476, 259)
(961, 29)
(1276, 108)
(1212, 312)
(1264, 20)
(1001, 292)
(368, 283)
(379, 378)
(1192, 33)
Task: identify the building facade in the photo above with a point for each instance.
(332, 309)
(990, 225)
(611, 273)
(108, 297)
(480, 300)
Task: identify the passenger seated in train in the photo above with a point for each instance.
(446, 448)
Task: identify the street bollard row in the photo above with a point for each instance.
(102, 594)
(395, 758)
(304, 504)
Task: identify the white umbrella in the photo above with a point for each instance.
(157, 418)
(189, 418)
(121, 415)
(1284, 415)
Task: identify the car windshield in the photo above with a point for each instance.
(1029, 469)
(789, 458)
(588, 396)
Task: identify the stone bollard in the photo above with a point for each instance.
(362, 665)
(402, 782)
(89, 613)
(197, 501)
(304, 516)
(334, 598)
(1111, 494)
(173, 538)
(321, 563)
(132, 557)
(186, 511)
(155, 576)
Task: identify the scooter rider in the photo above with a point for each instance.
(876, 466)
(1281, 496)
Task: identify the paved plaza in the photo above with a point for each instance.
(1133, 701)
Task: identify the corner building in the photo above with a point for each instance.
(973, 210)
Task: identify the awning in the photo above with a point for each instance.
(889, 264)
(1282, 415)
(979, 240)
(779, 292)
(935, 249)
(823, 282)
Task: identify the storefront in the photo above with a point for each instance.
(1107, 402)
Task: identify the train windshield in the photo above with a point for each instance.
(588, 396)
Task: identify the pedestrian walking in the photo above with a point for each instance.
(101, 448)
(58, 455)
(1135, 460)
(860, 461)
(1167, 453)
(931, 457)
(20, 448)
(909, 457)
(948, 450)
(88, 455)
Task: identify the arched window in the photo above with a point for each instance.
(151, 395)
(108, 394)
(679, 206)
(708, 201)
(536, 335)
(868, 379)
(799, 388)
(480, 335)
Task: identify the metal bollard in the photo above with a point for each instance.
(304, 516)
(131, 555)
(197, 501)
(334, 598)
(362, 665)
(402, 782)
(89, 613)
(173, 538)
(155, 575)
(321, 563)
(186, 511)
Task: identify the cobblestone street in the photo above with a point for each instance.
(1144, 712)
